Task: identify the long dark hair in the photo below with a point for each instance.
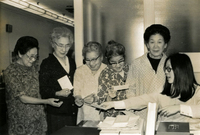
(184, 80)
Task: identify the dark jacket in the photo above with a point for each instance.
(50, 71)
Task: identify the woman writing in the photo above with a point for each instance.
(25, 111)
(180, 97)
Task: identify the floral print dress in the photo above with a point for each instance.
(23, 119)
(107, 79)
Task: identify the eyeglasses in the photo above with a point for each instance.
(32, 57)
(92, 60)
(62, 46)
(168, 69)
(115, 63)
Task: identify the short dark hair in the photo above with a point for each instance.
(114, 49)
(184, 79)
(24, 44)
(157, 29)
(92, 46)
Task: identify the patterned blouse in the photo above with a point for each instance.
(23, 119)
(107, 79)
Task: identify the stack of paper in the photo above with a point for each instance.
(121, 121)
(121, 125)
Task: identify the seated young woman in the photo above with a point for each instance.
(180, 99)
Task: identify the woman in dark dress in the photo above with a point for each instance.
(56, 66)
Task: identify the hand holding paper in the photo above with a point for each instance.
(79, 101)
(107, 105)
(90, 98)
(65, 83)
(63, 92)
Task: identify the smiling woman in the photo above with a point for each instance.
(113, 75)
(25, 112)
(146, 73)
(52, 68)
(86, 81)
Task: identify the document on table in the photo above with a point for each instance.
(65, 83)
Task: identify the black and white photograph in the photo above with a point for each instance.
(99, 67)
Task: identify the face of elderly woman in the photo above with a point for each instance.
(156, 46)
(29, 58)
(93, 60)
(117, 63)
(61, 46)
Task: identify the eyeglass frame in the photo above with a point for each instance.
(92, 60)
(168, 69)
(62, 46)
(32, 57)
(115, 63)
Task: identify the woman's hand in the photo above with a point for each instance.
(112, 92)
(89, 99)
(79, 101)
(169, 110)
(54, 102)
(63, 92)
(107, 105)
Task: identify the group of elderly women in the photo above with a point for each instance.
(153, 77)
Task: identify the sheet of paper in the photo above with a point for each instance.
(121, 87)
(65, 83)
(102, 107)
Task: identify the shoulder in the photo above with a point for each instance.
(49, 62)
(140, 59)
(139, 62)
(81, 69)
(50, 58)
(71, 60)
(102, 67)
(126, 67)
(197, 91)
(10, 68)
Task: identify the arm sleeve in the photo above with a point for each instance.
(47, 89)
(102, 88)
(78, 83)
(138, 102)
(14, 85)
(192, 110)
(131, 82)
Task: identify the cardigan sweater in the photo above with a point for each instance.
(50, 71)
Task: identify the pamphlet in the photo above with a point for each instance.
(65, 83)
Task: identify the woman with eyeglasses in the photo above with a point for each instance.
(113, 75)
(86, 81)
(24, 105)
(180, 99)
(56, 66)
